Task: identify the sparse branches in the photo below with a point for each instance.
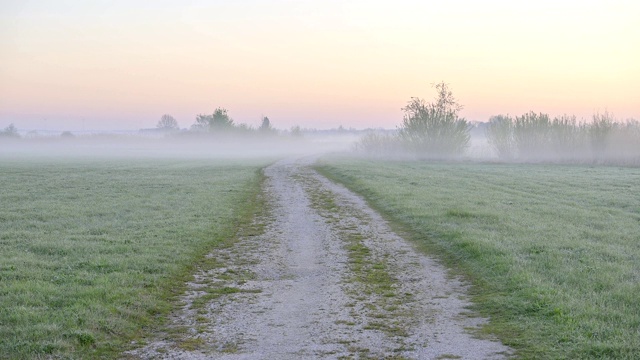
(567, 136)
(167, 122)
(600, 129)
(534, 137)
(531, 134)
(500, 136)
(445, 100)
(434, 129)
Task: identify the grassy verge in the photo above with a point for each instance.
(552, 251)
(93, 253)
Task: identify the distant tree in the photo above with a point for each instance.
(167, 122)
(500, 136)
(568, 138)
(532, 135)
(435, 129)
(67, 134)
(296, 131)
(243, 128)
(10, 131)
(600, 130)
(217, 121)
(265, 126)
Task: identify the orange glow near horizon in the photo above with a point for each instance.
(350, 63)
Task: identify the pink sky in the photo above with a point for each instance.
(70, 65)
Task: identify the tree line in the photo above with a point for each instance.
(217, 122)
(434, 130)
(538, 136)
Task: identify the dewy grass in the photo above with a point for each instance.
(552, 251)
(92, 253)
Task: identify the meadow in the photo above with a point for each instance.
(93, 253)
(551, 251)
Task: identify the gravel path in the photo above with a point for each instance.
(325, 277)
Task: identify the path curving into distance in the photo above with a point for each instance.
(325, 278)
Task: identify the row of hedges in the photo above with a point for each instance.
(538, 137)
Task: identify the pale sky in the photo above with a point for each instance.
(106, 65)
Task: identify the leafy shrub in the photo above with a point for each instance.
(435, 130)
(599, 132)
(567, 138)
(218, 121)
(531, 132)
(500, 136)
(380, 144)
(536, 137)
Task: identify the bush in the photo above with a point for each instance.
(434, 130)
(531, 133)
(380, 144)
(10, 132)
(623, 143)
(599, 132)
(534, 137)
(218, 121)
(500, 136)
(567, 138)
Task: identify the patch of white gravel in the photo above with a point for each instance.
(299, 299)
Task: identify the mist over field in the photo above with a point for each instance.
(496, 141)
(189, 146)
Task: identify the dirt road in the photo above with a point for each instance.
(324, 278)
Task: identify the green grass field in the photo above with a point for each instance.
(552, 252)
(94, 252)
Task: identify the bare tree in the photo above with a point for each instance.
(167, 122)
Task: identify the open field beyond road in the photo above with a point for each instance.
(92, 252)
(552, 251)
